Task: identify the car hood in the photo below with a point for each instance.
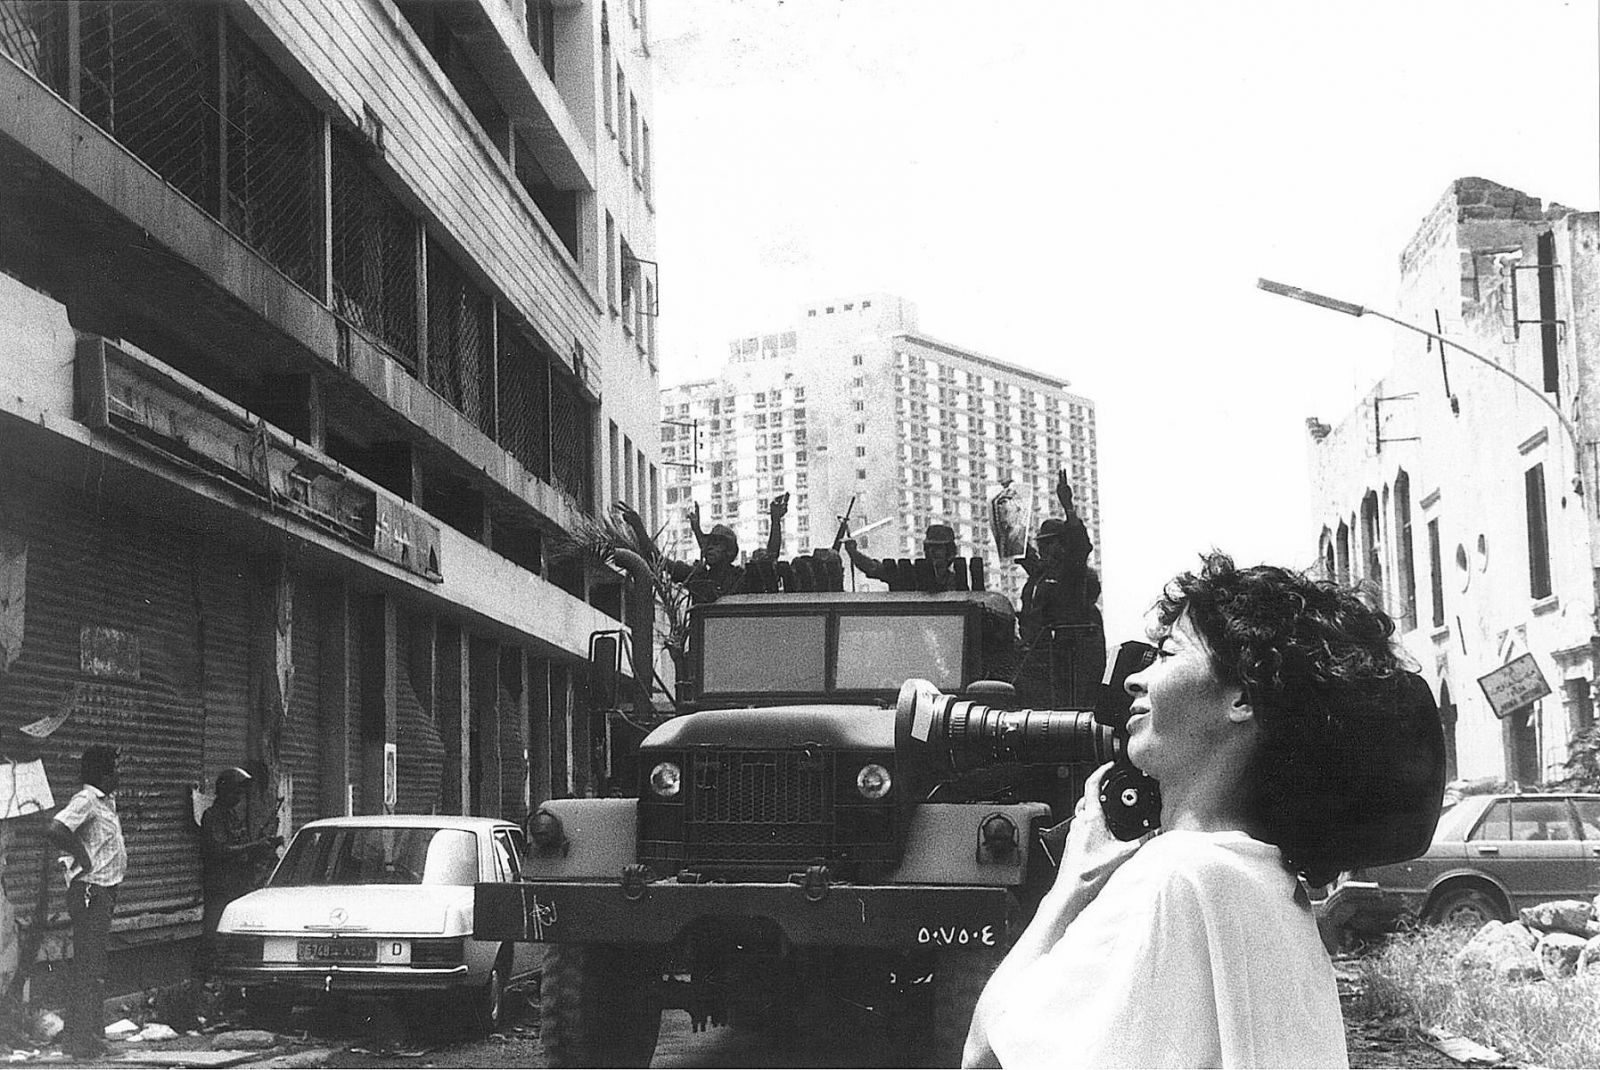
(432, 910)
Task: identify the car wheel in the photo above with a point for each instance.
(489, 1000)
(1465, 907)
(268, 1009)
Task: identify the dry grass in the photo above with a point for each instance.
(1413, 977)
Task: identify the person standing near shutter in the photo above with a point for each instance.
(89, 830)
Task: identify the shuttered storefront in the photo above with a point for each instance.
(111, 636)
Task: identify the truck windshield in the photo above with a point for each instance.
(787, 653)
(877, 651)
(777, 654)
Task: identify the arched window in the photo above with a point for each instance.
(1447, 716)
(1371, 542)
(1325, 553)
(1341, 567)
(1405, 561)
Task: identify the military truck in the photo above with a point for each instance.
(814, 834)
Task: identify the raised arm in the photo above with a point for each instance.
(777, 511)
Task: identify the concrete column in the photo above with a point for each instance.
(377, 696)
(336, 699)
(453, 714)
(484, 692)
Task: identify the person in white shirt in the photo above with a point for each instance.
(89, 829)
(1196, 945)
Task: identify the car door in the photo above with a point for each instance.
(1588, 811)
(510, 849)
(1532, 846)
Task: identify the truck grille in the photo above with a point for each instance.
(760, 805)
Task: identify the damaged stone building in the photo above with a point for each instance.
(316, 323)
(1464, 490)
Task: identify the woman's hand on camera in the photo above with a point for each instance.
(1092, 853)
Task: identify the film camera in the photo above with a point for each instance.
(941, 735)
(1375, 800)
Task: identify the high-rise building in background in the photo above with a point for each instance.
(305, 313)
(854, 404)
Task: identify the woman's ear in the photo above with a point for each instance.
(1241, 710)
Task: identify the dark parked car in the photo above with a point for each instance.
(1491, 856)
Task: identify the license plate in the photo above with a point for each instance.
(338, 951)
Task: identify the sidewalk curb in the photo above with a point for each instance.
(311, 1057)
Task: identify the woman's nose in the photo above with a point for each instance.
(1134, 684)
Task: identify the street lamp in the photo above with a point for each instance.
(1351, 309)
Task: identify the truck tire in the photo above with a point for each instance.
(600, 1005)
(958, 981)
(930, 1029)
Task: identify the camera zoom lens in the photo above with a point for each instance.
(977, 735)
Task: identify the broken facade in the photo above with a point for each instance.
(1460, 495)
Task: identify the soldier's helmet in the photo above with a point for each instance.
(726, 534)
(232, 780)
(940, 535)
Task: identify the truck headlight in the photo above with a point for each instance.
(873, 781)
(666, 779)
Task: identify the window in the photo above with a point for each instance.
(644, 158)
(861, 429)
(633, 140)
(1538, 534)
(605, 76)
(859, 406)
(622, 114)
(857, 359)
(861, 451)
(611, 262)
(861, 473)
(1407, 578)
(1436, 573)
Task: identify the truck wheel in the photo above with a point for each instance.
(600, 1005)
(1465, 905)
(932, 1031)
(958, 981)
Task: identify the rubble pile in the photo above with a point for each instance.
(1551, 941)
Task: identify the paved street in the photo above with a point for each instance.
(359, 1033)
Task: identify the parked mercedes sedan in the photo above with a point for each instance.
(1491, 856)
(378, 905)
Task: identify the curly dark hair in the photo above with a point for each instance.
(1329, 690)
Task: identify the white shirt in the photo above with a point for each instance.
(1197, 952)
(92, 814)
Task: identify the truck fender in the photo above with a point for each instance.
(598, 839)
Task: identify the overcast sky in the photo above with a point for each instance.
(1092, 189)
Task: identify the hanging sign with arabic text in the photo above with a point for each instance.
(1515, 684)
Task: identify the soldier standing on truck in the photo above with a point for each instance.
(938, 546)
(1064, 655)
(717, 572)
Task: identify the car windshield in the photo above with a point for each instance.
(367, 855)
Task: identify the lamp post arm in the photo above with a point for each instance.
(1566, 424)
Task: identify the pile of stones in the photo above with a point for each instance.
(1551, 941)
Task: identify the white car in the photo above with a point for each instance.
(378, 905)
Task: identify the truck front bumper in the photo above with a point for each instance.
(845, 915)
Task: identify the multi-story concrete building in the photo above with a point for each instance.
(853, 403)
(320, 325)
(1467, 498)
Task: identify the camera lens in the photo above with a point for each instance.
(978, 735)
(942, 732)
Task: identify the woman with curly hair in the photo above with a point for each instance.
(1288, 741)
